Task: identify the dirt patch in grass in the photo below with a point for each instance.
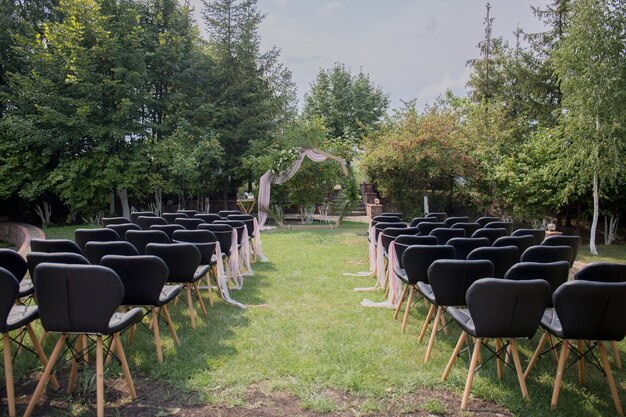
(157, 399)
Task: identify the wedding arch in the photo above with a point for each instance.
(269, 178)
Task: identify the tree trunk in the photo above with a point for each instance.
(112, 202)
(226, 187)
(578, 218)
(123, 196)
(596, 210)
(158, 201)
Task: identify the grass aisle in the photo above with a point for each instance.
(306, 336)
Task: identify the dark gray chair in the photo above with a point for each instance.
(448, 280)
(426, 227)
(82, 300)
(521, 242)
(144, 280)
(141, 238)
(122, 228)
(82, 236)
(571, 241)
(417, 220)
(189, 213)
(105, 221)
(539, 234)
(35, 258)
(464, 245)
(16, 265)
(500, 225)
(136, 214)
(95, 251)
(491, 234)
(602, 272)
(404, 241)
(440, 216)
(54, 245)
(443, 234)
(205, 241)
(171, 217)
(469, 227)
(502, 258)
(450, 221)
(225, 213)
(586, 314)
(482, 221)
(539, 253)
(211, 217)
(189, 224)
(146, 221)
(554, 273)
(168, 229)
(503, 310)
(385, 219)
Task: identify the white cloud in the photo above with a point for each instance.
(331, 9)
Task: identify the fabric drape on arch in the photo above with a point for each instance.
(268, 178)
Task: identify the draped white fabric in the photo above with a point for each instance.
(222, 279)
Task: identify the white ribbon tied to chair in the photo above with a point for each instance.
(233, 264)
(258, 247)
(222, 279)
(395, 284)
(246, 257)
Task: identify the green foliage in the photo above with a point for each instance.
(348, 106)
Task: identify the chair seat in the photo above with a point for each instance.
(201, 271)
(120, 321)
(20, 316)
(26, 288)
(463, 318)
(401, 273)
(550, 321)
(427, 292)
(168, 293)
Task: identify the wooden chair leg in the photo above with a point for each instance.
(407, 309)
(429, 317)
(457, 349)
(581, 362)
(559, 374)
(199, 297)
(40, 354)
(533, 360)
(433, 334)
(518, 368)
(553, 350)
(131, 333)
(74, 369)
(190, 305)
(86, 352)
(111, 352)
(618, 360)
(124, 362)
(209, 287)
(8, 374)
(99, 377)
(470, 374)
(157, 335)
(170, 325)
(609, 378)
(443, 324)
(498, 359)
(41, 385)
(404, 291)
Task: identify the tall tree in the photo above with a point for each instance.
(591, 66)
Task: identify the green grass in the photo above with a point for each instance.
(611, 253)
(305, 334)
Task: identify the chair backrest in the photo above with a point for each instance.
(209, 217)
(189, 213)
(539, 234)
(505, 308)
(182, 259)
(77, 298)
(54, 245)
(247, 219)
(554, 273)
(142, 276)
(9, 289)
(404, 241)
(464, 245)
(82, 236)
(385, 219)
(237, 224)
(136, 214)
(502, 258)
(522, 242)
(454, 220)
(35, 258)
(146, 221)
(204, 240)
(571, 241)
(417, 220)
(94, 251)
(389, 234)
(189, 224)
(14, 263)
(602, 272)
(392, 214)
(426, 227)
(539, 253)
(440, 216)
(500, 225)
(105, 221)
(469, 228)
(443, 234)
(491, 234)
(171, 217)
(450, 279)
(590, 310)
(122, 228)
(168, 229)
(482, 221)
(223, 233)
(379, 227)
(225, 213)
(141, 238)
(416, 260)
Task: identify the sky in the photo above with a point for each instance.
(411, 49)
